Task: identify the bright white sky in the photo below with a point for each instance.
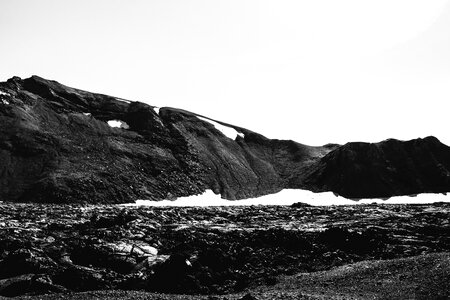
(312, 71)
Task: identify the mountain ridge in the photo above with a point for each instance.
(56, 146)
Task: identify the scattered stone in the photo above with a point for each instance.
(25, 261)
(206, 251)
(109, 221)
(175, 275)
(248, 297)
(150, 262)
(28, 284)
(139, 250)
(78, 278)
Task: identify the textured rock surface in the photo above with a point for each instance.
(46, 248)
(56, 146)
(385, 169)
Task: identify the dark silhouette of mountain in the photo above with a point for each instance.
(56, 146)
(385, 169)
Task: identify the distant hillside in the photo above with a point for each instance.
(388, 168)
(60, 144)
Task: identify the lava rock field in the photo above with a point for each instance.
(47, 248)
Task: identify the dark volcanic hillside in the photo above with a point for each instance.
(388, 168)
(56, 146)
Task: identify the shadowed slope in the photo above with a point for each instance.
(56, 146)
(385, 169)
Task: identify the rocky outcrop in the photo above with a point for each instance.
(385, 169)
(57, 145)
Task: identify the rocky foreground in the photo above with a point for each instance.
(226, 251)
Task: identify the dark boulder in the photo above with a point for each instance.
(175, 275)
(352, 241)
(24, 261)
(32, 284)
(78, 278)
(300, 205)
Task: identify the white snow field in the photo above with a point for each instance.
(288, 197)
(227, 131)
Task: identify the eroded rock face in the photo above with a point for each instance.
(57, 145)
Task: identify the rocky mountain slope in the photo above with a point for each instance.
(388, 168)
(57, 145)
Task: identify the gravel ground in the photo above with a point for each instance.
(424, 277)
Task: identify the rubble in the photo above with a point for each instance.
(216, 250)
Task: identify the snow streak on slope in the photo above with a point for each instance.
(123, 100)
(288, 197)
(227, 131)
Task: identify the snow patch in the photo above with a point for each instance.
(288, 197)
(156, 109)
(88, 114)
(227, 131)
(4, 93)
(118, 124)
(5, 102)
(123, 100)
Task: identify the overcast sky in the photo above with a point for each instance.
(312, 71)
